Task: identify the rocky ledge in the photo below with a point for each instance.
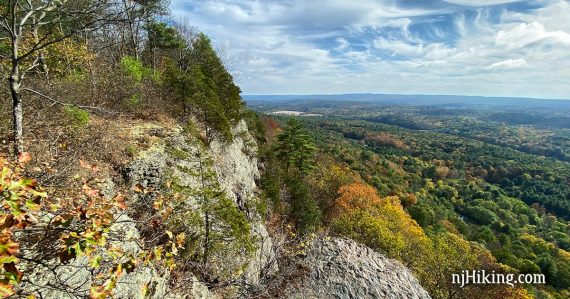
(342, 268)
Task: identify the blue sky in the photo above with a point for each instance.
(463, 47)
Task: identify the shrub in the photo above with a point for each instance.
(79, 225)
(78, 117)
(134, 68)
(133, 101)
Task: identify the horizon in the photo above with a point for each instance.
(402, 94)
(491, 48)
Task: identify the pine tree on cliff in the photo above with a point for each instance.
(216, 228)
(203, 85)
(223, 84)
(295, 147)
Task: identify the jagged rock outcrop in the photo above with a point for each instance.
(342, 268)
(235, 165)
(237, 168)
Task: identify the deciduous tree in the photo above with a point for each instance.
(29, 27)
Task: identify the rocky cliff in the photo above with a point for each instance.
(236, 171)
(332, 268)
(342, 268)
(168, 149)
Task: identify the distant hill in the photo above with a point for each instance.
(391, 99)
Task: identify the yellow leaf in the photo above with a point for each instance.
(138, 188)
(6, 290)
(96, 262)
(97, 292)
(145, 290)
(180, 239)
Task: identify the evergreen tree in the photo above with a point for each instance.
(215, 227)
(161, 38)
(196, 92)
(303, 206)
(295, 147)
(201, 82)
(213, 67)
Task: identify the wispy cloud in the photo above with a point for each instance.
(481, 2)
(506, 48)
(509, 64)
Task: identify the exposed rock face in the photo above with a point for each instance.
(342, 268)
(237, 169)
(235, 164)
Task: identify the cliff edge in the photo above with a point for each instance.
(342, 268)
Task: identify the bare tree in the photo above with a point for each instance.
(30, 26)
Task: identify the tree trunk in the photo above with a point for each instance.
(17, 110)
(17, 107)
(41, 57)
(206, 238)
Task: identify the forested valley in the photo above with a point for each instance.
(441, 187)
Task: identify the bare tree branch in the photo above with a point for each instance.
(57, 102)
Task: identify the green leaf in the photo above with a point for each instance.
(95, 262)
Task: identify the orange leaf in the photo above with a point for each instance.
(90, 167)
(120, 201)
(24, 158)
(98, 292)
(138, 188)
(180, 239)
(6, 220)
(9, 247)
(90, 191)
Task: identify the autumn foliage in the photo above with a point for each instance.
(21, 199)
(81, 224)
(356, 196)
(382, 224)
(385, 139)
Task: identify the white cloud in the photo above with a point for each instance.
(324, 13)
(526, 34)
(398, 47)
(509, 64)
(343, 44)
(481, 2)
(338, 46)
(259, 62)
